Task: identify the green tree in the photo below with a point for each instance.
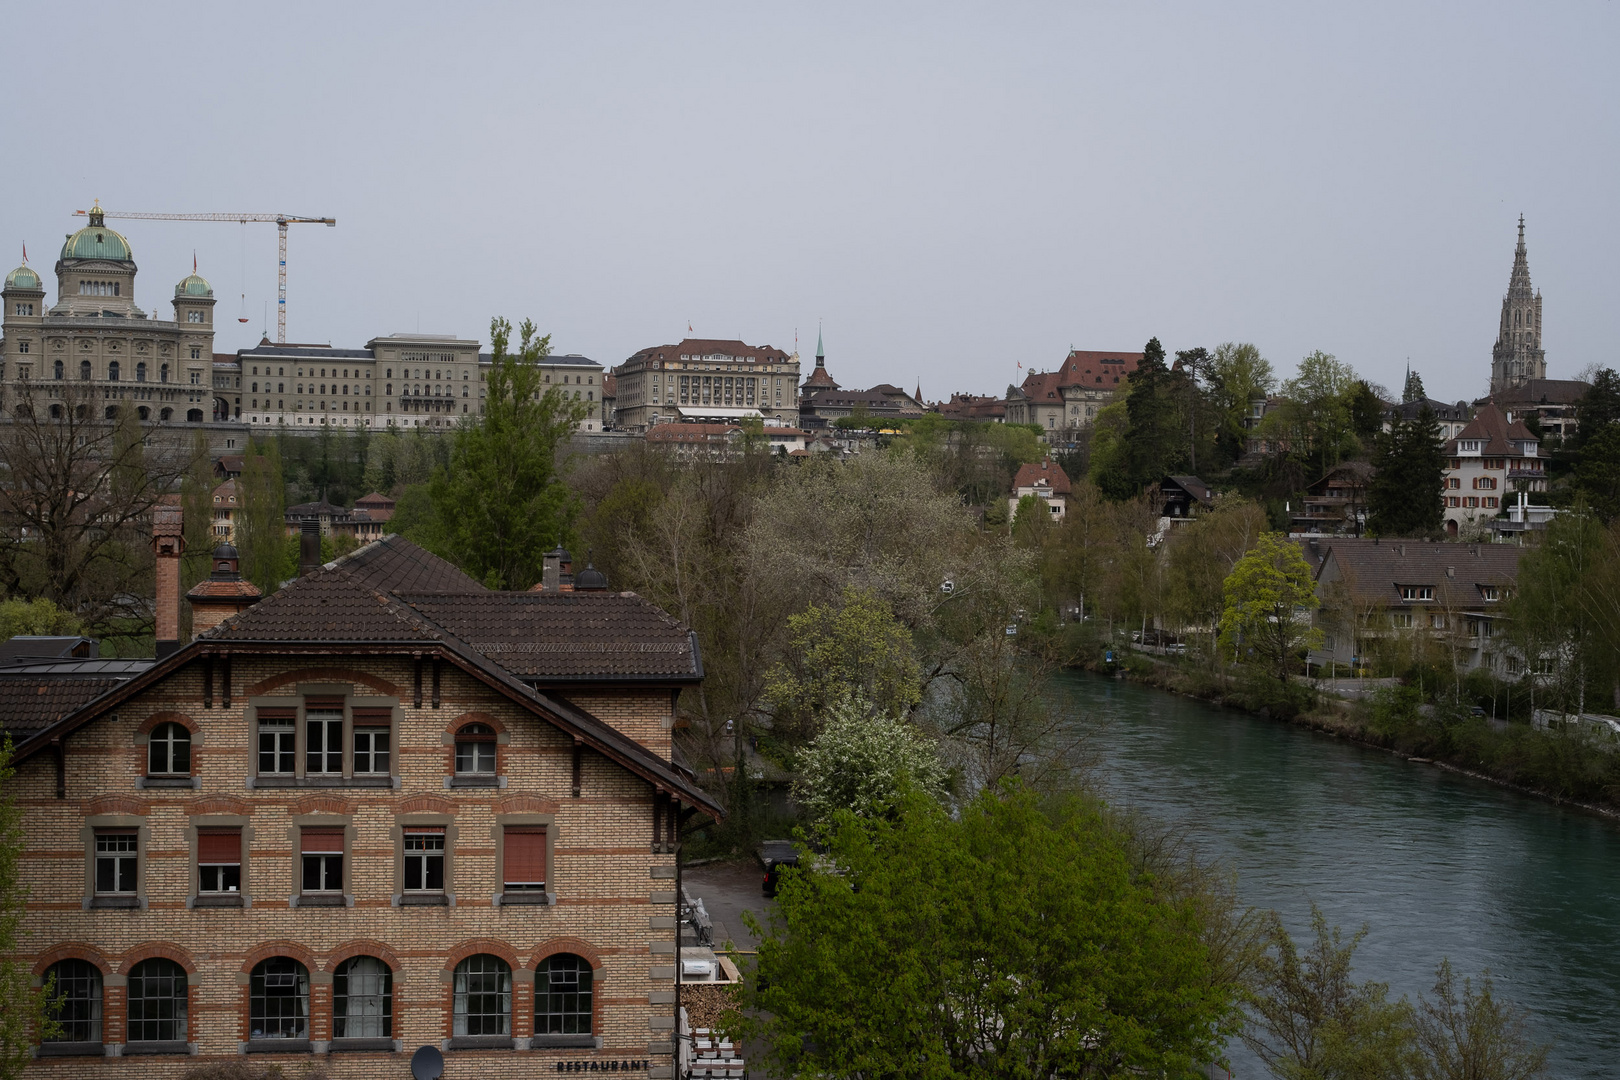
(1366, 413)
(1469, 1035)
(1558, 603)
(1031, 521)
(1413, 390)
(1309, 1020)
(1404, 498)
(854, 646)
(1153, 438)
(1202, 554)
(1265, 594)
(864, 760)
(1315, 423)
(499, 505)
(261, 529)
(22, 1013)
(1237, 375)
(1110, 455)
(19, 616)
(1012, 942)
(1597, 472)
(1599, 408)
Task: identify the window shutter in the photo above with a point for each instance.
(217, 847)
(277, 713)
(525, 856)
(324, 704)
(322, 841)
(369, 714)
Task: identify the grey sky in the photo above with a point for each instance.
(953, 189)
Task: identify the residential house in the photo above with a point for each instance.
(1182, 498)
(1335, 505)
(1451, 416)
(1046, 482)
(1550, 402)
(1492, 457)
(1376, 592)
(381, 809)
(982, 407)
(227, 505)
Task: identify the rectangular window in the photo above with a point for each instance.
(277, 732)
(371, 751)
(424, 858)
(323, 859)
(524, 857)
(117, 855)
(1401, 619)
(323, 736)
(219, 860)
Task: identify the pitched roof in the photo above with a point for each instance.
(566, 636)
(397, 564)
(819, 380)
(691, 432)
(32, 700)
(1491, 427)
(1192, 486)
(1544, 392)
(699, 348)
(1375, 570)
(1047, 472)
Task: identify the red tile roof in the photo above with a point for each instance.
(1048, 472)
(1491, 427)
(1083, 369)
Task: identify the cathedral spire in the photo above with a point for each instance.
(821, 354)
(1518, 355)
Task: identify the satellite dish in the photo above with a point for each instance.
(427, 1063)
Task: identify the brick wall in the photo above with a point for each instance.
(613, 891)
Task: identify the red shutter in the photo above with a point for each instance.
(368, 714)
(323, 703)
(217, 847)
(266, 713)
(525, 859)
(322, 841)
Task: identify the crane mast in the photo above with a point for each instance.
(281, 221)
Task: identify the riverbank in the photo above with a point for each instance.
(1565, 768)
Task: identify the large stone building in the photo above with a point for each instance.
(1518, 356)
(1488, 464)
(706, 379)
(1070, 398)
(96, 338)
(383, 808)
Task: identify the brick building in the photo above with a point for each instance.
(1068, 399)
(380, 809)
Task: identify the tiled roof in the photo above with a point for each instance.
(209, 589)
(1043, 387)
(820, 380)
(1047, 471)
(1375, 570)
(1491, 427)
(1194, 487)
(32, 700)
(571, 636)
(331, 605)
(691, 433)
(1085, 369)
(1544, 392)
(702, 347)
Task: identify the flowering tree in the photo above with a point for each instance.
(864, 761)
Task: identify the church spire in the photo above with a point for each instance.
(1518, 355)
(821, 354)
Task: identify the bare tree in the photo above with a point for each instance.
(79, 477)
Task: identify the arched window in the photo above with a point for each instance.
(483, 1003)
(278, 1000)
(112, 412)
(475, 749)
(363, 999)
(193, 416)
(169, 750)
(112, 371)
(56, 412)
(157, 1002)
(77, 1007)
(140, 371)
(144, 413)
(59, 369)
(165, 414)
(84, 370)
(562, 996)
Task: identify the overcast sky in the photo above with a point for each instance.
(952, 190)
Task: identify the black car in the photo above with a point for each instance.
(773, 855)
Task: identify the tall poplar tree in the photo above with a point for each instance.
(500, 504)
(261, 522)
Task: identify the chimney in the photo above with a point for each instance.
(565, 574)
(551, 571)
(168, 544)
(223, 594)
(309, 547)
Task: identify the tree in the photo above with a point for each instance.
(856, 646)
(1237, 375)
(1310, 1021)
(499, 505)
(1599, 408)
(22, 1014)
(1110, 455)
(1202, 554)
(1413, 390)
(1151, 440)
(1265, 593)
(1558, 603)
(1473, 1036)
(1366, 413)
(1316, 422)
(864, 761)
(1597, 473)
(1012, 942)
(76, 501)
(19, 616)
(1404, 498)
(261, 529)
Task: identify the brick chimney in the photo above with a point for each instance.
(309, 547)
(168, 544)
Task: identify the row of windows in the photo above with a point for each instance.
(100, 288)
(321, 855)
(370, 738)
(157, 999)
(1473, 502)
(193, 416)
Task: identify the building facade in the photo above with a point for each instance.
(706, 380)
(1517, 355)
(1070, 398)
(96, 338)
(1490, 460)
(1047, 483)
(381, 809)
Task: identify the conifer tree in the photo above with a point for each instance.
(1404, 498)
(1413, 391)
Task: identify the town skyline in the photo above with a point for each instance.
(953, 197)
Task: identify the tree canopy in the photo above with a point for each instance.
(1404, 497)
(1264, 593)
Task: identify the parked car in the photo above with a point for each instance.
(773, 855)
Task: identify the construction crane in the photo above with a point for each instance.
(281, 220)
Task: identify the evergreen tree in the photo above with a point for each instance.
(1148, 438)
(1366, 413)
(1599, 408)
(1413, 390)
(1404, 498)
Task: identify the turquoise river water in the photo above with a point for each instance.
(1434, 863)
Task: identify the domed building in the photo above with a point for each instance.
(97, 347)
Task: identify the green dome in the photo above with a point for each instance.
(96, 242)
(194, 286)
(22, 278)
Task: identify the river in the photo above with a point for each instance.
(1433, 863)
